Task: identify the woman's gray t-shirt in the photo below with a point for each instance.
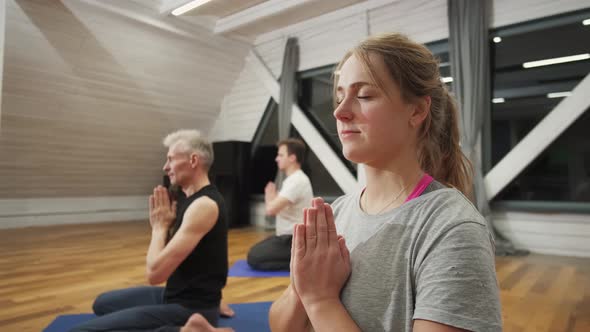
(431, 258)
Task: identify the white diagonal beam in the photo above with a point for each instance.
(167, 6)
(312, 137)
(538, 139)
(255, 13)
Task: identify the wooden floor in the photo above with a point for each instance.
(45, 272)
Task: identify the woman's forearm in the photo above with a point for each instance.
(330, 316)
(288, 314)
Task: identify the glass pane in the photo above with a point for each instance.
(264, 151)
(321, 181)
(269, 134)
(264, 167)
(444, 66)
(440, 49)
(523, 96)
(560, 173)
(315, 99)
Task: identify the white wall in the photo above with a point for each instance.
(24, 212)
(242, 107)
(88, 94)
(324, 42)
(508, 12)
(547, 233)
(2, 30)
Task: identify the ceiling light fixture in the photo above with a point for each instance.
(498, 100)
(497, 39)
(446, 79)
(554, 61)
(586, 21)
(188, 6)
(559, 94)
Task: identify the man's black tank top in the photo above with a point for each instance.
(198, 281)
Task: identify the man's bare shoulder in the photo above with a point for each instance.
(202, 212)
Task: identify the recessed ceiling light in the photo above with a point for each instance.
(497, 39)
(586, 21)
(553, 61)
(559, 94)
(188, 6)
(498, 100)
(446, 79)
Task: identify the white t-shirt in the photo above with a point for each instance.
(296, 189)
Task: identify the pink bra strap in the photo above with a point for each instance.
(420, 187)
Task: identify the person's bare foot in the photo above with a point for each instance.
(225, 310)
(198, 323)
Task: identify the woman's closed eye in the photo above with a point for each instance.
(339, 101)
(365, 93)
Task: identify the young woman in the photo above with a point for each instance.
(418, 256)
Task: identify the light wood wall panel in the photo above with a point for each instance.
(89, 94)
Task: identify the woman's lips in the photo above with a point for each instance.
(348, 133)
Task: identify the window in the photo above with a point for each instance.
(560, 173)
(524, 92)
(264, 152)
(440, 49)
(315, 100)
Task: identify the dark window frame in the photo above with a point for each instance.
(528, 205)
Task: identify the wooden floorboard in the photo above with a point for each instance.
(49, 271)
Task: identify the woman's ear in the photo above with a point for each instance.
(420, 111)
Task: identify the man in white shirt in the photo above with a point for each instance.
(274, 253)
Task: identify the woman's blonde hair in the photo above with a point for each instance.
(415, 70)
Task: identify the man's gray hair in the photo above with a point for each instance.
(191, 141)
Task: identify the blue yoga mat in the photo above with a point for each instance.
(250, 317)
(65, 322)
(242, 269)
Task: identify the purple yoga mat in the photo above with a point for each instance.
(242, 269)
